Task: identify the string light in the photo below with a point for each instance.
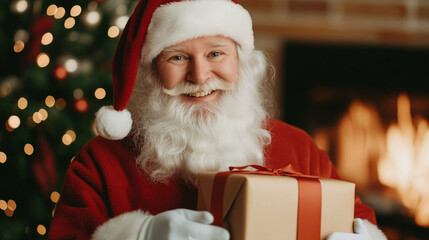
(43, 60)
(60, 104)
(41, 229)
(69, 23)
(113, 32)
(3, 158)
(75, 11)
(100, 93)
(71, 65)
(28, 149)
(55, 196)
(22, 103)
(18, 46)
(52, 10)
(50, 101)
(60, 13)
(14, 121)
(47, 38)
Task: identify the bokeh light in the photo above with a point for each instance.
(113, 32)
(78, 93)
(28, 149)
(67, 139)
(71, 65)
(60, 104)
(69, 23)
(100, 93)
(37, 117)
(121, 22)
(11, 205)
(47, 38)
(3, 158)
(3, 205)
(52, 9)
(14, 121)
(55, 196)
(44, 114)
(22, 103)
(72, 134)
(41, 229)
(43, 60)
(75, 11)
(50, 101)
(93, 18)
(18, 46)
(60, 13)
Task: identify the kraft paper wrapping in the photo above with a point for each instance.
(265, 207)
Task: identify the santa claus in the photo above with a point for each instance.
(191, 94)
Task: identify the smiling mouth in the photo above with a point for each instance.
(199, 94)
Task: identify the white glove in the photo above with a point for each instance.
(182, 224)
(360, 232)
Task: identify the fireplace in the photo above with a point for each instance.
(368, 107)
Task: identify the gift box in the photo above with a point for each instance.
(270, 206)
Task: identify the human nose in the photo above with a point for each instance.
(199, 71)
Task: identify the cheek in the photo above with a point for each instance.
(168, 76)
(230, 71)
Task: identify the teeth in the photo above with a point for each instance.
(199, 94)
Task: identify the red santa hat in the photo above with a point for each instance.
(155, 25)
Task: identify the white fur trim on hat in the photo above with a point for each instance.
(126, 226)
(113, 124)
(179, 21)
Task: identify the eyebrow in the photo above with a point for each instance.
(172, 49)
(219, 44)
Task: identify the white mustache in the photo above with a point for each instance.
(187, 88)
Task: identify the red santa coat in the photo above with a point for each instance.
(103, 182)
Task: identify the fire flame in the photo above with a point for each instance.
(400, 154)
(405, 164)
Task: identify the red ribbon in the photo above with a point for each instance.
(309, 198)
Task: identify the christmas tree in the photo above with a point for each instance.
(55, 74)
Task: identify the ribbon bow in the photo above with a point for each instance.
(287, 170)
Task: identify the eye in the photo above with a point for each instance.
(215, 54)
(176, 58)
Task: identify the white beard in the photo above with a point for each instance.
(177, 138)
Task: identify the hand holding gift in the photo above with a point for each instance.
(182, 224)
(360, 232)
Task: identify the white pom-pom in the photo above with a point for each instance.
(113, 124)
